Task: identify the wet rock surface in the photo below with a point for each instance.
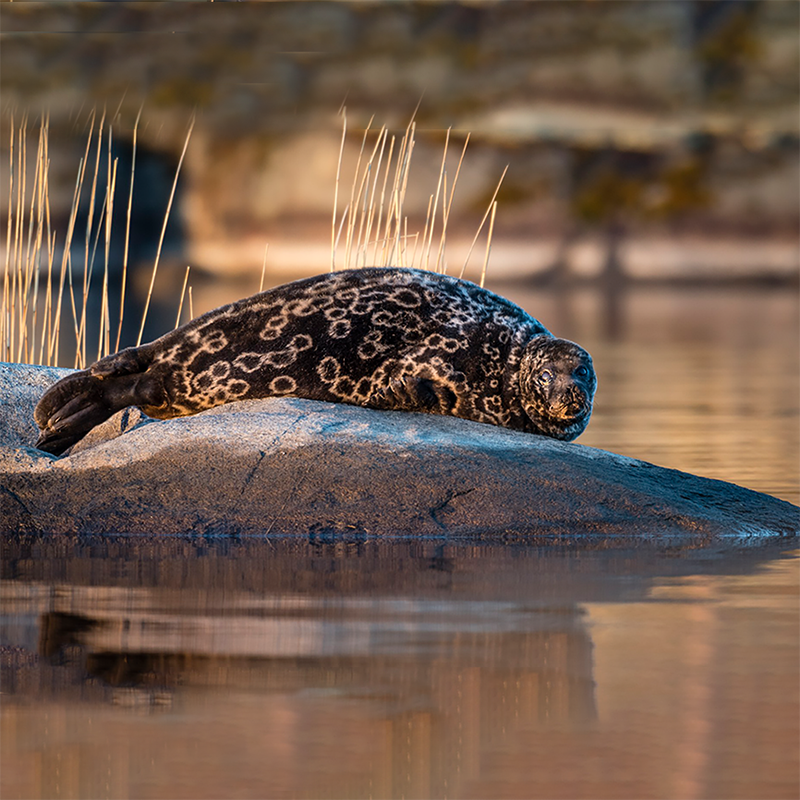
(285, 466)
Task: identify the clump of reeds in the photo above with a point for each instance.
(35, 288)
(374, 222)
(29, 241)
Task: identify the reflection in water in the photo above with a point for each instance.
(286, 668)
(440, 681)
(204, 658)
(712, 663)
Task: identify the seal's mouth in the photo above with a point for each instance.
(571, 411)
(569, 420)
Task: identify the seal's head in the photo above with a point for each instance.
(557, 384)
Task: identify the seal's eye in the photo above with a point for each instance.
(546, 377)
(582, 372)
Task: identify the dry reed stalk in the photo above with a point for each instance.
(405, 242)
(104, 345)
(66, 262)
(47, 325)
(414, 254)
(395, 202)
(351, 225)
(383, 198)
(395, 214)
(35, 246)
(164, 230)
(446, 210)
(42, 232)
(5, 321)
(183, 293)
(400, 216)
(88, 261)
(480, 227)
(436, 200)
(345, 215)
(371, 212)
(334, 238)
(366, 211)
(375, 217)
(30, 325)
(26, 264)
(18, 227)
(128, 229)
(27, 229)
(488, 243)
(20, 231)
(263, 270)
(427, 224)
(438, 265)
(9, 280)
(28, 218)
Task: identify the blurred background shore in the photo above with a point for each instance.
(652, 141)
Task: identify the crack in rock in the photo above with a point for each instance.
(433, 512)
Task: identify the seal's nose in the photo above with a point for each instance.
(575, 401)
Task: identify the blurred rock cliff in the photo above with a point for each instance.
(638, 132)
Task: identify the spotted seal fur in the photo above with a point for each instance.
(386, 338)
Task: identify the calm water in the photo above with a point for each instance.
(316, 667)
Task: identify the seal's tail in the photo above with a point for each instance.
(69, 409)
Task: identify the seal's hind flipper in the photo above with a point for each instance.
(77, 403)
(69, 410)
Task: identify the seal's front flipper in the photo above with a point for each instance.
(414, 393)
(439, 396)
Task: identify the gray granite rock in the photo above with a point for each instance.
(21, 386)
(293, 466)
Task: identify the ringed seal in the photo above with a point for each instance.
(386, 338)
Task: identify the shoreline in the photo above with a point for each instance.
(641, 259)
